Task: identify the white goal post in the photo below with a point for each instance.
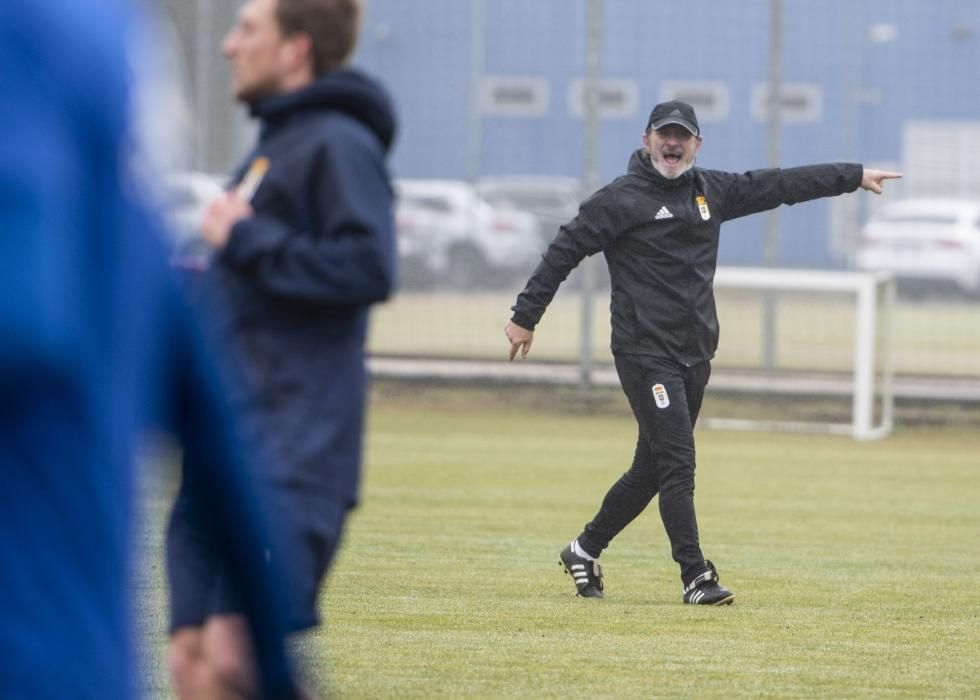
(874, 303)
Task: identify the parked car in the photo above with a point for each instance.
(925, 243)
(185, 198)
(449, 234)
(552, 200)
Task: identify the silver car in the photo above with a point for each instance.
(553, 200)
(447, 234)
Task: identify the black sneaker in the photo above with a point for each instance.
(586, 572)
(704, 589)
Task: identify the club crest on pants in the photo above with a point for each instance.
(660, 396)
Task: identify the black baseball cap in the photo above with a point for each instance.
(674, 112)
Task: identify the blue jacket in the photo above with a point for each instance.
(95, 347)
(296, 280)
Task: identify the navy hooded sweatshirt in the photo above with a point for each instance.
(296, 280)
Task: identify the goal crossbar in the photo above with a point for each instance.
(868, 288)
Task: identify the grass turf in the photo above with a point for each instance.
(856, 565)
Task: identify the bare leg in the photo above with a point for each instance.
(229, 657)
(188, 667)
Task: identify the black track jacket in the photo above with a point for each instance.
(660, 239)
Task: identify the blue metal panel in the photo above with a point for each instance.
(422, 49)
(543, 38)
(419, 48)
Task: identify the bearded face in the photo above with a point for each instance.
(672, 149)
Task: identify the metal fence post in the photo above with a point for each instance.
(770, 253)
(593, 52)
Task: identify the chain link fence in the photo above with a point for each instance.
(493, 104)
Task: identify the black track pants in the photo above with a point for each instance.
(666, 398)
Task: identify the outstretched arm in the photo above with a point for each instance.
(761, 190)
(873, 180)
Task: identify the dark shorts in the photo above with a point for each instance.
(306, 532)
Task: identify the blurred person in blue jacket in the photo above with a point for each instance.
(304, 246)
(96, 347)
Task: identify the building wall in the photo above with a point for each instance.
(870, 67)
(865, 68)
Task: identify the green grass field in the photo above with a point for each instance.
(856, 565)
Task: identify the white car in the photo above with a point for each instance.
(925, 242)
(553, 200)
(448, 233)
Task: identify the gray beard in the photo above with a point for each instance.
(656, 166)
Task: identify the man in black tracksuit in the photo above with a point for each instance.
(304, 243)
(658, 227)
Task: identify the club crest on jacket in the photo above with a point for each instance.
(703, 207)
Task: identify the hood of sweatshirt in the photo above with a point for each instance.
(346, 90)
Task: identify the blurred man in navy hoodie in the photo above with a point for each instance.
(304, 245)
(96, 347)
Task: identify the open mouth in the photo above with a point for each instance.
(672, 158)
